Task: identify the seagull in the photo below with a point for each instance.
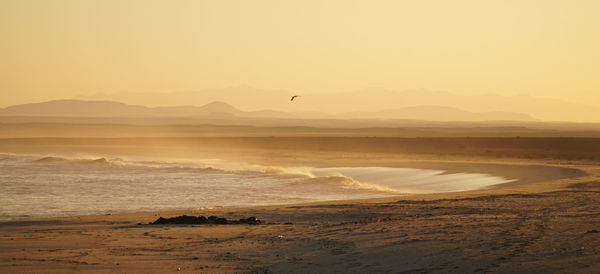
(294, 97)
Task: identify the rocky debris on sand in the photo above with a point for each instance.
(185, 219)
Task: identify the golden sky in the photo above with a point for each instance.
(61, 49)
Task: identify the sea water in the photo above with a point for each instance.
(51, 186)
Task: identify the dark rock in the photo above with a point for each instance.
(184, 219)
(221, 221)
(249, 220)
(160, 221)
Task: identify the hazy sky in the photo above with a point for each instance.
(60, 49)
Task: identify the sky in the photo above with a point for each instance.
(63, 49)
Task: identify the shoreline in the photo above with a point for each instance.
(542, 224)
(558, 182)
(535, 172)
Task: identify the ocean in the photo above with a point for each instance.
(73, 185)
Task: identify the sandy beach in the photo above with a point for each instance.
(547, 221)
(438, 136)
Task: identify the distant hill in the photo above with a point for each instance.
(224, 111)
(81, 108)
(76, 108)
(365, 100)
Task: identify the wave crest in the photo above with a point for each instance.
(49, 160)
(345, 182)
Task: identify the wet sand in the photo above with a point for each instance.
(546, 222)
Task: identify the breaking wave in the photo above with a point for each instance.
(397, 181)
(66, 185)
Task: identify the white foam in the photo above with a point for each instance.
(83, 184)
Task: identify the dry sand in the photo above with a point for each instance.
(549, 221)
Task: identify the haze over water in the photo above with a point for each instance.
(42, 186)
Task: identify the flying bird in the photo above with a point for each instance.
(294, 97)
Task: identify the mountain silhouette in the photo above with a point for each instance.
(366, 100)
(221, 110)
(81, 108)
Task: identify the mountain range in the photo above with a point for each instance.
(82, 108)
(365, 100)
